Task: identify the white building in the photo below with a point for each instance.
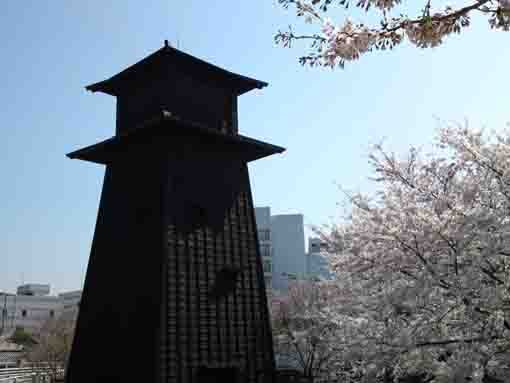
(32, 306)
(316, 265)
(282, 247)
(288, 242)
(70, 302)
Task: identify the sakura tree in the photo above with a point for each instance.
(54, 341)
(337, 43)
(423, 264)
(304, 329)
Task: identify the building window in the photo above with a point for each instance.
(265, 250)
(267, 266)
(264, 235)
(24, 313)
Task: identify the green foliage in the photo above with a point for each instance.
(22, 337)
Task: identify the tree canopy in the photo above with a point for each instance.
(303, 330)
(54, 341)
(421, 267)
(22, 337)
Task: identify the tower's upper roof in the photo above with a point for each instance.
(175, 59)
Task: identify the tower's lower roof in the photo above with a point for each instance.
(165, 127)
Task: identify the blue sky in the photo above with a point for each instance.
(326, 119)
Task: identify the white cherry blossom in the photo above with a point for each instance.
(421, 269)
(426, 27)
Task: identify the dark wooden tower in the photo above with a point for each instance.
(174, 290)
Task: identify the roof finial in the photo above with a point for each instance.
(166, 43)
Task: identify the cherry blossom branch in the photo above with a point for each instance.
(440, 18)
(491, 275)
(348, 42)
(390, 169)
(427, 265)
(454, 341)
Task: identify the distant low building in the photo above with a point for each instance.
(32, 306)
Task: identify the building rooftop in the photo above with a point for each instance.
(169, 58)
(34, 289)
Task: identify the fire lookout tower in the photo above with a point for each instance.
(174, 290)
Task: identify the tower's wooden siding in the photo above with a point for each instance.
(234, 331)
(116, 336)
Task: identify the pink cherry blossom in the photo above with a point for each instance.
(421, 270)
(426, 27)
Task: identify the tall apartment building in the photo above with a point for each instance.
(263, 220)
(32, 306)
(282, 245)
